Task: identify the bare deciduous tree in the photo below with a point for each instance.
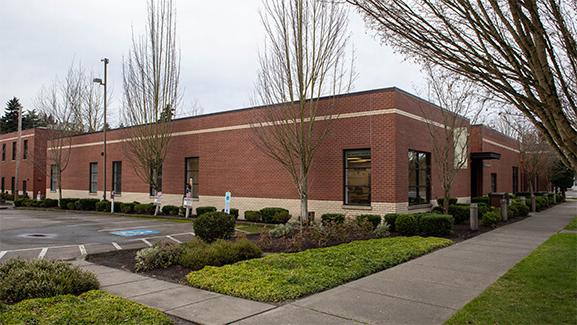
(151, 92)
(304, 59)
(523, 52)
(64, 103)
(459, 107)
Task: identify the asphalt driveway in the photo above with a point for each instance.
(69, 234)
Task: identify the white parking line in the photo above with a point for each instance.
(126, 228)
(42, 253)
(82, 249)
(146, 242)
(2, 253)
(173, 239)
(116, 246)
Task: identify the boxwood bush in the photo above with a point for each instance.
(103, 206)
(391, 218)
(442, 200)
(86, 204)
(170, 210)
(374, 219)
(269, 215)
(407, 224)
(211, 226)
(127, 207)
(160, 256)
(21, 280)
(436, 224)
(144, 208)
(197, 254)
(202, 210)
(233, 212)
(64, 203)
(252, 216)
(490, 219)
(332, 218)
(460, 213)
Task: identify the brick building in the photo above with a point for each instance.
(377, 159)
(32, 164)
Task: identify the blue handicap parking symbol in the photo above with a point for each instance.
(135, 232)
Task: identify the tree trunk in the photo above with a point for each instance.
(446, 201)
(59, 189)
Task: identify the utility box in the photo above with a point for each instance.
(496, 197)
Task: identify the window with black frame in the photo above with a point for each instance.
(358, 177)
(419, 177)
(515, 179)
(53, 177)
(93, 182)
(25, 151)
(191, 172)
(117, 177)
(493, 182)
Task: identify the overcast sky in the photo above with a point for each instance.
(219, 42)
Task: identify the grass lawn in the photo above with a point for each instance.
(93, 307)
(286, 276)
(538, 290)
(572, 225)
(252, 228)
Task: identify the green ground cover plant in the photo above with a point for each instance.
(538, 290)
(572, 225)
(286, 276)
(93, 307)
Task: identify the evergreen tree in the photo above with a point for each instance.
(9, 122)
(562, 177)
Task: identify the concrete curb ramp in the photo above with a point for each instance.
(426, 290)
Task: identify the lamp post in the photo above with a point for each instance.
(104, 83)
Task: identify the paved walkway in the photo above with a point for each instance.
(427, 290)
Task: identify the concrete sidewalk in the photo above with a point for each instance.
(426, 290)
(429, 289)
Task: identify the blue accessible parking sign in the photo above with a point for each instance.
(135, 232)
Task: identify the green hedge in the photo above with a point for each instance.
(288, 276)
(390, 219)
(490, 219)
(374, 219)
(21, 280)
(93, 307)
(407, 224)
(436, 224)
(65, 203)
(252, 216)
(197, 254)
(144, 208)
(461, 213)
(86, 204)
(214, 225)
(170, 210)
(274, 215)
(202, 210)
(332, 218)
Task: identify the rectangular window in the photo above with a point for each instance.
(117, 177)
(156, 179)
(13, 185)
(53, 178)
(25, 150)
(3, 185)
(191, 176)
(24, 189)
(515, 180)
(493, 182)
(419, 177)
(93, 184)
(357, 186)
(14, 150)
(3, 151)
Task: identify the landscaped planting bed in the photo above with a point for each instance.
(538, 290)
(281, 277)
(92, 307)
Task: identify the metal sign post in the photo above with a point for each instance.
(157, 202)
(227, 198)
(112, 204)
(187, 203)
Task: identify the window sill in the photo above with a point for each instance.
(92, 194)
(420, 206)
(356, 207)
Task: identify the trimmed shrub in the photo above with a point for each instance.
(160, 256)
(382, 230)
(407, 224)
(442, 200)
(211, 226)
(522, 209)
(86, 204)
(21, 280)
(127, 207)
(374, 219)
(436, 224)
(103, 206)
(252, 216)
(282, 230)
(170, 210)
(49, 203)
(20, 202)
(332, 218)
(480, 199)
(280, 217)
(268, 215)
(64, 203)
(541, 203)
(202, 210)
(196, 254)
(390, 218)
(233, 212)
(460, 213)
(490, 218)
(144, 208)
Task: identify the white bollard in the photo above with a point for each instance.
(474, 216)
(504, 210)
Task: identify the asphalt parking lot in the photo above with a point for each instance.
(67, 235)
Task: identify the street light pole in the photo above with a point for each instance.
(105, 84)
